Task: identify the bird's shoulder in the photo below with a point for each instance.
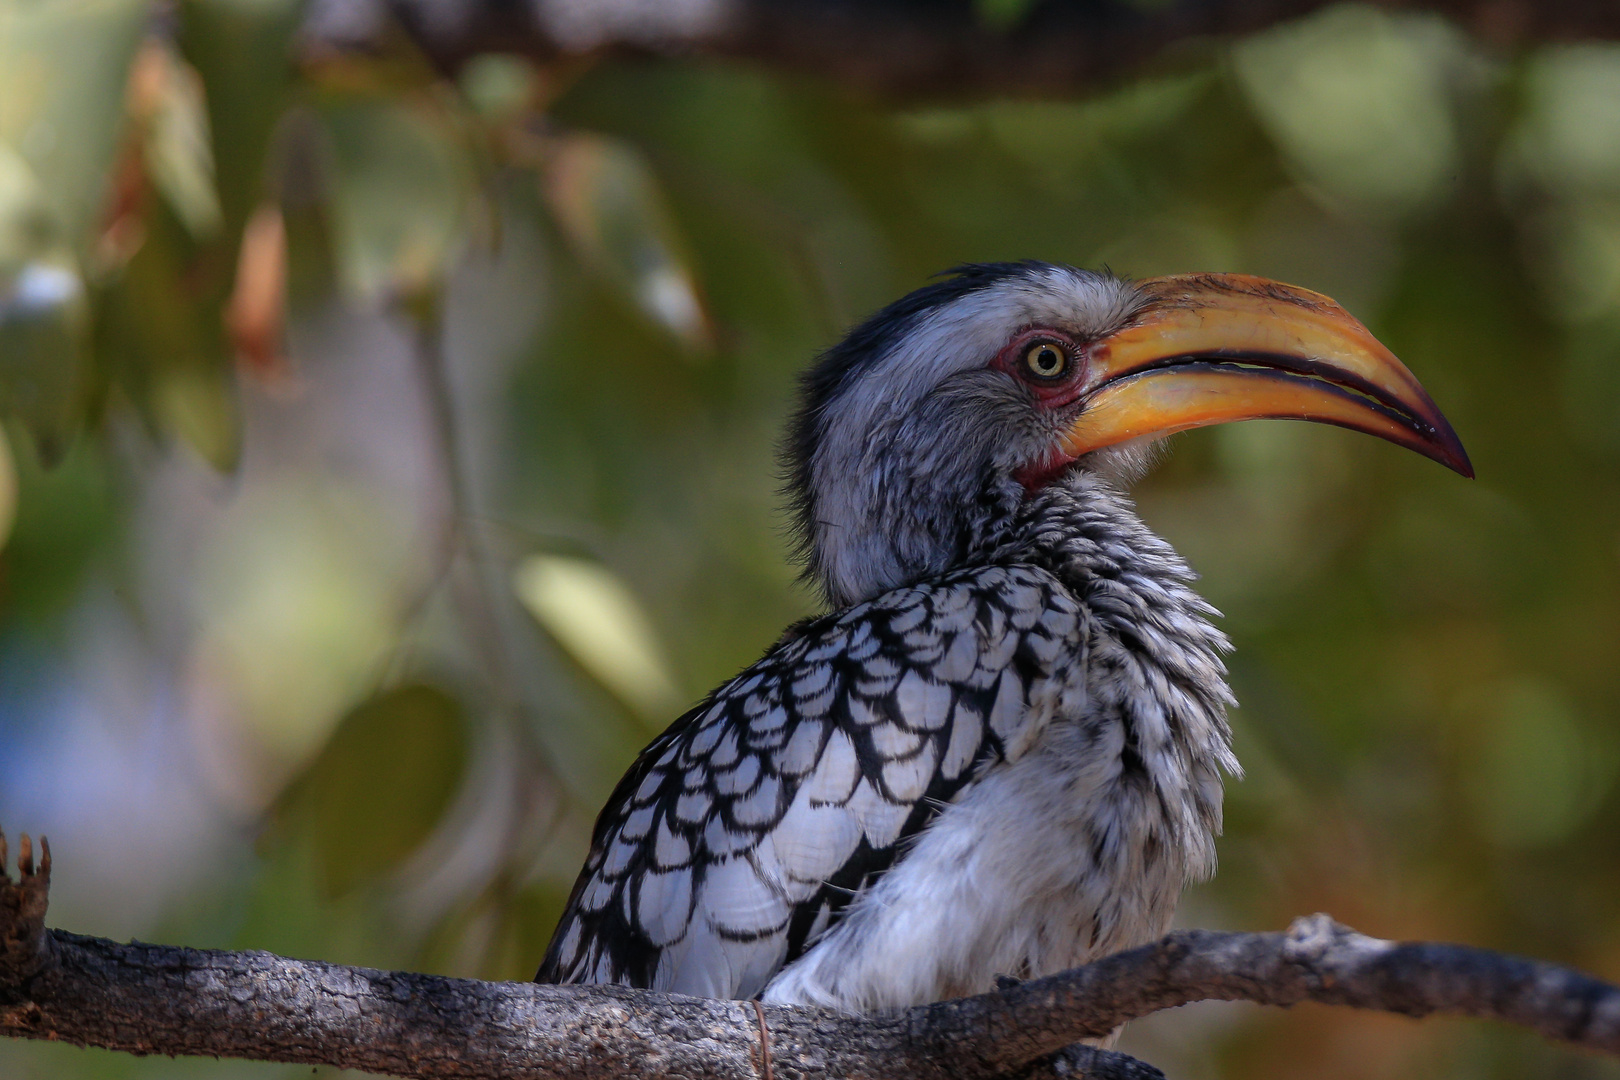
(740, 834)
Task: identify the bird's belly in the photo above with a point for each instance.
(1043, 864)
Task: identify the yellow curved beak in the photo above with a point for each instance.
(1212, 348)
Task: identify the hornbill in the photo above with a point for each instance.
(1000, 751)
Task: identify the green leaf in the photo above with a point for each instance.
(380, 785)
(597, 620)
(1361, 102)
(43, 314)
(43, 352)
(499, 87)
(28, 228)
(66, 519)
(63, 71)
(399, 194)
(200, 405)
(611, 209)
(178, 152)
(168, 348)
(242, 49)
(1568, 136)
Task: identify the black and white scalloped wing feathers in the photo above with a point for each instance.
(728, 859)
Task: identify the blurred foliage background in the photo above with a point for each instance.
(388, 456)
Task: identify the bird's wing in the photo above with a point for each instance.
(743, 831)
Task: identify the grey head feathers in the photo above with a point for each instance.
(902, 458)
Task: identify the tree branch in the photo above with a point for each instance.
(157, 999)
(897, 47)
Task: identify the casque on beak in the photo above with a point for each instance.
(1211, 348)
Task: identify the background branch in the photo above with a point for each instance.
(161, 999)
(899, 47)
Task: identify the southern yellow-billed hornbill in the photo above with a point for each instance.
(1001, 750)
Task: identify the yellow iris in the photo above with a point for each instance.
(1045, 360)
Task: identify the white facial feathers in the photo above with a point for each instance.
(881, 451)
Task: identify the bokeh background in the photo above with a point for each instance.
(388, 455)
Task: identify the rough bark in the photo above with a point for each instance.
(898, 47)
(160, 999)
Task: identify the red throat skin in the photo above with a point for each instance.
(1037, 475)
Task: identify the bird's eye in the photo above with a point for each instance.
(1046, 361)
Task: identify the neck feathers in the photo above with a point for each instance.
(1155, 655)
(906, 495)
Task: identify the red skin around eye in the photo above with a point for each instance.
(1048, 395)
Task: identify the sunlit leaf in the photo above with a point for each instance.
(500, 87)
(63, 71)
(1568, 137)
(380, 785)
(610, 207)
(597, 619)
(399, 191)
(1567, 145)
(167, 98)
(27, 229)
(295, 591)
(200, 405)
(1361, 102)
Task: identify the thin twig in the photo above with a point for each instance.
(764, 1043)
